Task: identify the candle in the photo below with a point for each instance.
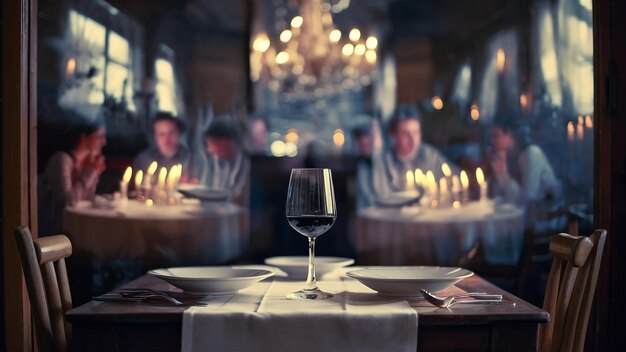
(588, 122)
(151, 170)
(570, 131)
(446, 170)
(443, 191)
(432, 188)
(162, 177)
(480, 178)
(124, 185)
(172, 180)
(464, 185)
(456, 188)
(580, 129)
(420, 178)
(138, 180)
(410, 181)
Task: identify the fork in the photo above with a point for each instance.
(445, 302)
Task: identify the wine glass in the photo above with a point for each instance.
(311, 211)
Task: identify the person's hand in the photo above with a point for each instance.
(97, 163)
(498, 163)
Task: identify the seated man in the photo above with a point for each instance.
(228, 166)
(168, 150)
(407, 152)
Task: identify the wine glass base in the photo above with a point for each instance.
(309, 294)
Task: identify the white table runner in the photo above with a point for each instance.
(260, 318)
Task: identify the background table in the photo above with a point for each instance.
(424, 236)
(111, 246)
(109, 326)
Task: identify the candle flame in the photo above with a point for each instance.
(152, 168)
(580, 119)
(138, 178)
(500, 59)
(127, 174)
(446, 170)
(419, 176)
(464, 180)
(570, 127)
(480, 176)
(588, 122)
(162, 176)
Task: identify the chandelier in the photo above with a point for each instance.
(310, 58)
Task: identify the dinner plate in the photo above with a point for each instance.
(398, 199)
(210, 280)
(406, 281)
(206, 194)
(297, 267)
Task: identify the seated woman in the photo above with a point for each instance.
(72, 174)
(521, 170)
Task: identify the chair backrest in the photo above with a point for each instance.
(48, 287)
(570, 290)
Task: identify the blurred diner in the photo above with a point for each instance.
(72, 174)
(168, 149)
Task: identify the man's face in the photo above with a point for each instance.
(167, 137)
(407, 138)
(96, 141)
(501, 140)
(223, 148)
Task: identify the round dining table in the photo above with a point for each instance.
(191, 233)
(419, 235)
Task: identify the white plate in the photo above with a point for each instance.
(297, 266)
(399, 199)
(215, 280)
(406, 281)
(205, 193)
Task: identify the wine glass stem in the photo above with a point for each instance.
(311, 283)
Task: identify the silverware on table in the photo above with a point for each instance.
(143, 294)
(479, 298)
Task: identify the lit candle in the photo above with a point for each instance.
(124, 185)
(443, 191)
(570, 131)
(446, 170)
(151, 170)
(410, 181)
(456, 188)
(138, 180)
(420, 178)
(480, 178)
(588, 122)
(464, 185)
(580, 129)
(162, 177)
(432, 188)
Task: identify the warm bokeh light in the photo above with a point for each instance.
(291, 135)
(297, 21)
(291, 149)
(149, 202)
(370, 56)
(282, 57)
(437, 103)
(355, 34)
(359, 49)
(339, 138)
(474, 112)
(500, 59)
(588, 122)
(152, 168)
(523, 101)
(456, 204)
(371, 43)
(334, 36)
(347, 49)
(285, 36)
(71, 66)
(410, 179)
(420, 177)
(278, 148)
(261, 43)
(138, 179)
(580, 119)
(464, 180)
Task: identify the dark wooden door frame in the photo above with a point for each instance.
(19, 27)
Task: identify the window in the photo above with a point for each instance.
(165, 85)
(104, 58)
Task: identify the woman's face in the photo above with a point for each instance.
(501, 139)
(95, 141)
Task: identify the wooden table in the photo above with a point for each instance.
(108, 326)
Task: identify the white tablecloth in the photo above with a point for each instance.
(260, 318)
(159, 235)
(424, 236)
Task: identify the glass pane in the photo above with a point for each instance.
(166, 97)
(117, 80)
(118, 48)
(164, 71)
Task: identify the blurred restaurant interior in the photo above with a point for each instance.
(162, 133)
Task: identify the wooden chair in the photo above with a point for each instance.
(570, 290)
(48, 287)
